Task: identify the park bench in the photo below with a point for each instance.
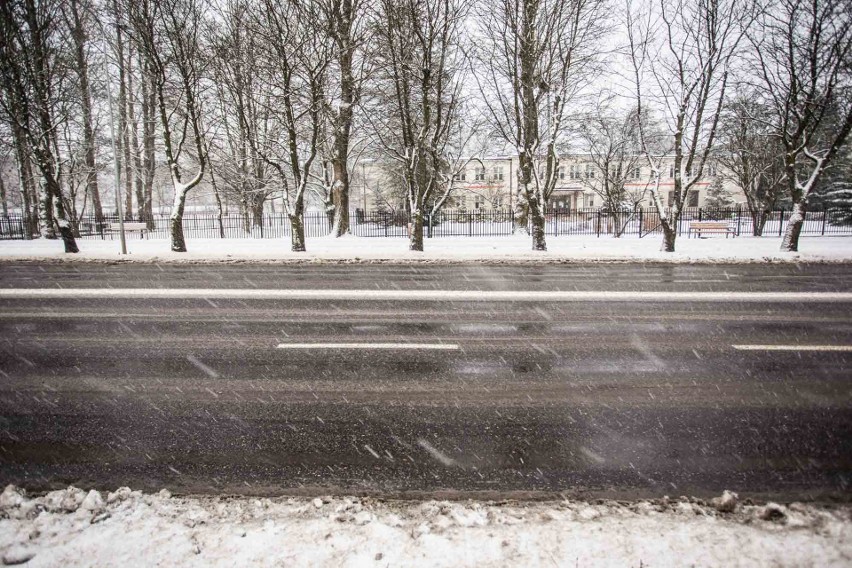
(129, 226)
(712, 227)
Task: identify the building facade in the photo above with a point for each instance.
(491, 183)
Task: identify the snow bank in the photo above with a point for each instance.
(126, 528)
(486, 249)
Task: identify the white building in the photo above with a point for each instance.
(491, 183)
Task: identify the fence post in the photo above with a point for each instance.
(556, 222)
(640, 222)
(824, 215)
(599, 223)
(780, 222)
(700, 214)
(739, 215)
(428, 225)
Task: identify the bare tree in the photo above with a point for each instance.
(535, 57)
(420, 84)
(245, 111)
(148, 103)
(346, 23)
(26, 181)
(804, 59)
(78, 16)
(167, 32)
(681, 76)
(751, 156)
(465, 146)
(295, 76)
(33, 79)
(612, 143)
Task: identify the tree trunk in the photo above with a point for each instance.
(176, 219)
(45, 214)
(790, 243)
(257, 203)
(537, 226)
(342, 27)
(521, 214)
(148, 133)
(124, 144)
(329, 214)
(297, 232)
(25, 180)
(340, 196)
(244, 213)
(758, 222)
(669, 236)
(415, 231)
(138, 182)
(3, 197)
(218, 204)
(65, 228)
(620, 220)
(79, 34)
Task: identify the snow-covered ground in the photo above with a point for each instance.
(494, 249)
(126, 528)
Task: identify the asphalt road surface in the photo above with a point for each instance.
(609, 380)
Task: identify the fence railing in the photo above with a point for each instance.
(454, 223)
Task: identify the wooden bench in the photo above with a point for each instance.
(712, 227)
(129, 226)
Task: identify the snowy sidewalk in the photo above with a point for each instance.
(73, 528)
(450, 249)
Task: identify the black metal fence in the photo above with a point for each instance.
(455, 223)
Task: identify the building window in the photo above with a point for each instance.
(711, 170)
(590, 201)
(497, 173)
(478, 202)
(671, 172)
(480, 174)
(561, 172)
(636, 173)
(460, 176)
(590, 170)
(574, 171)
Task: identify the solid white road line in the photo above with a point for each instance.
(427, 346)
(842, 348)
(421, 295)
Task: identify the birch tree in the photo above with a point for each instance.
(534, 58)
(681, 56)
(803, 55)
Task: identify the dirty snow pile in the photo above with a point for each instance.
(73, 527)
